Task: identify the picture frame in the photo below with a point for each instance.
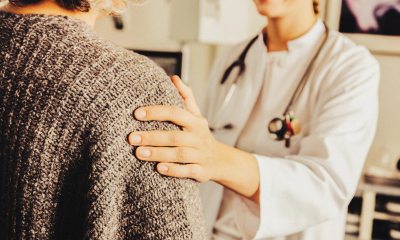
(171, 62)
(378, 44)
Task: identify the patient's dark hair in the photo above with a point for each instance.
(80, 5)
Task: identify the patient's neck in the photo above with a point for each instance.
(52, 8)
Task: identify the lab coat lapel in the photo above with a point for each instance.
(237, 113)
(241, 105)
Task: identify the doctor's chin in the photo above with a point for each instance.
(199, 119)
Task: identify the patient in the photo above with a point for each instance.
(66, 170)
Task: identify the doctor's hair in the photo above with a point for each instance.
(109, 6)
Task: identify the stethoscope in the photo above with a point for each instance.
(285, 127)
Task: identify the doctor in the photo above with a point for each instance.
(292, 127)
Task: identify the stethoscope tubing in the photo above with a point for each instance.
(303, 81)
(240, 63)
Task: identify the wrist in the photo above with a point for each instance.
(237, 170)
(221, 163)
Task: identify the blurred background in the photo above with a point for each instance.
(186, 36)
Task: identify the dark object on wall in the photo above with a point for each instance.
(398, 165)
(389, 23)
(118, 22)
(387, 19)
(387, 204)
(171, 62)
(353, 217)
(355, 206)
(383, 229)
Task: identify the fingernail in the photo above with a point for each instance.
(162, 168)
(136, 139)
(144, 152)
(140, 113)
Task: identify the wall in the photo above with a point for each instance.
(386, 148)
(145, 27)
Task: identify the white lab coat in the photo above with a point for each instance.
(304, 190)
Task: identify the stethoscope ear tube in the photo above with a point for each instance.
(237, 64)
(304, 78)
(240, 62)
(229, 95)
(226, 101)
(228, 71)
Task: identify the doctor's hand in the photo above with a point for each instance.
(192, 153)
(187, 95)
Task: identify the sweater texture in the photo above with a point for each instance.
(66, 169)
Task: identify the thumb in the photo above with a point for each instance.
(187, 95)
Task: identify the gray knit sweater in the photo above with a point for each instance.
(66, 170)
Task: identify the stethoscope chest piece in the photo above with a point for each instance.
(280, 129)
(277, 129)
(284, 128)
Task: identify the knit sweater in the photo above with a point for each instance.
(66, 169)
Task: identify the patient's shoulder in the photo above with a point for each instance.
(137, 76)
(130, 82)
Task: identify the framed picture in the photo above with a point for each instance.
(373, 23)
(171, 62)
